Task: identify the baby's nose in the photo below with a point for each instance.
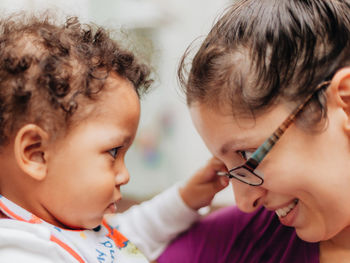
(122, 177)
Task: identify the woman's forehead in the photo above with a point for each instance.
(228, 131)
(207, 114)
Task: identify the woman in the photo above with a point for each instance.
(269, 93)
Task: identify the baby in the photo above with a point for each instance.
(69, 111)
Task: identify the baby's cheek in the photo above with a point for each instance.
(106, 188)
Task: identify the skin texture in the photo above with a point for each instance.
(313, 167)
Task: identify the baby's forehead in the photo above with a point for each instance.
(115, 88)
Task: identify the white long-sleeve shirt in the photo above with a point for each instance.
(150, 226)
(154, 223)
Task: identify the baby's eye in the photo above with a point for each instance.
(114, 152)
(246, 154)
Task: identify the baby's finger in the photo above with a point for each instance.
(213, 166)
(215, 185)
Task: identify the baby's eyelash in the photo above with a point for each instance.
(114, 151)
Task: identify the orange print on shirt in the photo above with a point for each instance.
(119, 240)
(35, 220)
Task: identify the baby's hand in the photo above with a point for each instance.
(200, 190)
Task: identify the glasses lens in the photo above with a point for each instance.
(247, 176)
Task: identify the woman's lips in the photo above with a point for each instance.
(288, 214)
(282, 212)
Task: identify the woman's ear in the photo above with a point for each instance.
(30, 150)
(339, 92)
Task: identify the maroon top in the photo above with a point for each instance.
(230, 235)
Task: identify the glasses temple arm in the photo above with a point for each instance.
(261, 152)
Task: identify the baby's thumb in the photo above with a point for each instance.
(220, 183)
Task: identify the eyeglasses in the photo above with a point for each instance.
(247, 172)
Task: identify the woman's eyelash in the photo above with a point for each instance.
(245, 154)
(114, 152)
(242, 154)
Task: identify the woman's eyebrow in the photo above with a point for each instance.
(233, 144)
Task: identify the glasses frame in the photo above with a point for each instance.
(259, 154)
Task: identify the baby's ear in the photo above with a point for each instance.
(30, 151)
(340, 91)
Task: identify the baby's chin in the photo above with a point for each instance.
(93, 225)
(85, 225)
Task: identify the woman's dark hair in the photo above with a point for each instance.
(261, 52)
(46, 68)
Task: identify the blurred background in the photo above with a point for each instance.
(167, 148)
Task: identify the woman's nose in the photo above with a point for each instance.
(248, 198)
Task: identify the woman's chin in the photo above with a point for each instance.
(311, 236)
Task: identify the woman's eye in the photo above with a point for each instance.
(246, 154)
(241, 175)
(114, 152)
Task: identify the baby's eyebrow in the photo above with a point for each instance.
(125, 139)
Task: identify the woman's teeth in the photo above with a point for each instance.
(282, 212)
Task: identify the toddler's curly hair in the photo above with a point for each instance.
(46, 68)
